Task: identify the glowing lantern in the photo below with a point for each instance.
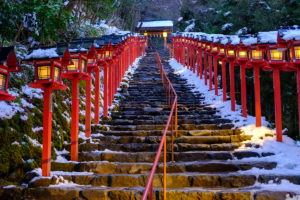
(48, 70)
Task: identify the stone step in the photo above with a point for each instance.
(162, 127)
(178, 156)
(182, 139)
(135, 193)
(232, 180)
(105, 167)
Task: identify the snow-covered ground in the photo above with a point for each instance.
(287, 153)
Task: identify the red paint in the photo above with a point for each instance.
(277, 97)
(106, 93)
(188, 58)
(216, 75)
(75, 119)
(257, 96)
(201, 65)
(298, 88)
(205, 68)
(232, 86)
(224, 80)
(88, 108)
(47, 131)
(97, 98)
(210, 72)
(243, 91)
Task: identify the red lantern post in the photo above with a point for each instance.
(256, 61)
(242, 59)
(48, 65)
(76, 72)
(286, 41)
(275, 61)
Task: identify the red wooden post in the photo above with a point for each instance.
(257, 96)
(277, 96)
(201, 65)
(232, 86)
(198, 63)
(224, 80)
(88, 108)
(194, 63)
(110, 85)
(243, 91)
(97, 97)
(205, 68)
(216, 75)
(183, 56)
(106, 93)
(210, 72)
(298, 87)
(47, 131)
(188, 58)
(75, 119)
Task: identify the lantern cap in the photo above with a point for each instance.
(289, 32)
(48, 52)
(267, 37)
(77, 47)
(99, 43)
(8, 55)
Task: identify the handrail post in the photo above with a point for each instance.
(165, 168)
(151, 190)
(176, 127)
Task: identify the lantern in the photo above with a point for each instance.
(48, 71)
(8, 64)
(276, 60)
(75, 72)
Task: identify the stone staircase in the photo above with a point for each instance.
(206, 165)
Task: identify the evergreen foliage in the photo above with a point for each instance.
(250, 17)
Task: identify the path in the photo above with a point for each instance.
(205, 164)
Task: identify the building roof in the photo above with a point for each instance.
(155, 23)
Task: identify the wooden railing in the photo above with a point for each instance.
(171, 99)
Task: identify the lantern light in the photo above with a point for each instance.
(257, 55)
(275, 54)
(231, 52)
(242, 54)
(3, 78)
(165, 34)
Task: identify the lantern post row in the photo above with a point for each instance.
(246, 52)
(75, 61)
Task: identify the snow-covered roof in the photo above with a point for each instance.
(154, 23)
(249, 40)
(267, 37)
(289, 33)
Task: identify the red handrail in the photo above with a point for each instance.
(170, 47)
(170, 94)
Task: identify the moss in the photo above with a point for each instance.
(106, 118)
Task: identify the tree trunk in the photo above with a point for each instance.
(18, 34)
(71, 5)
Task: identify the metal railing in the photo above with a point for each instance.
(171, 99)
(170, 47)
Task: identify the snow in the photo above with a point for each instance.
(228, 25)
(37, 129)
(287, 153)
(32, 92)
(43, 53)
(15, 143)
(190, 27)
(34, 142)
(291, 34)
(180, 18)
(250, 41)
(156, 24)
(227, 13)
(268, 37)
(8, 111)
